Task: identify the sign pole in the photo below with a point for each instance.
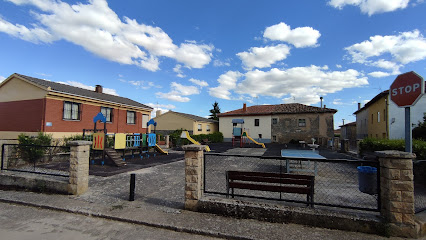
(408, 132)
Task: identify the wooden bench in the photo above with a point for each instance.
(271, 182)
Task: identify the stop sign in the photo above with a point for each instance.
(407, 89)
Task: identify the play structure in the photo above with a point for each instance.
(239, 135)
(185, 134)
(140, 143)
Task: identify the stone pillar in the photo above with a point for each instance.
(397, 193)
(194, 161)
(79, 167)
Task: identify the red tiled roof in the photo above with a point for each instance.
(290, 108)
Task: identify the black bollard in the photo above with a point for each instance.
(132, 187)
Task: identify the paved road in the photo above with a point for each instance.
(28, 223)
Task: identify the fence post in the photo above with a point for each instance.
(397, 193)
(79, 167)
(194, 160)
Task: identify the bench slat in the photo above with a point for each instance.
(270, 188)
(271, 180)
(266, 174)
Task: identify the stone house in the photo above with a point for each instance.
(171, 121)
(30, 105)
(281, 123)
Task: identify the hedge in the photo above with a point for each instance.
(371, 145)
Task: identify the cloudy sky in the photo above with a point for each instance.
(184, 55)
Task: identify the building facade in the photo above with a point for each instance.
(372, 119)
(171, 121)
(30, 105)
(281, 123)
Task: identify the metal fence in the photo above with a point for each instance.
(47, 160)
(336, 181)
(419, 185)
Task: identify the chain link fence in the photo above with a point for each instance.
(419, 185)
(47, 160)
(336, 181)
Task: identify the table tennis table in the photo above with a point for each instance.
(298, 155)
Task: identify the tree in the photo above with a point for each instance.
(419, 132)
(214, 111)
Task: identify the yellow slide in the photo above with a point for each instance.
(185, 134)
(246, 135)
(160, 149)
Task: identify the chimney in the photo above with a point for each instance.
(98, 89)
(158, 113)
(244, 107)
(325, 106)
(359, 106)
(321, 101)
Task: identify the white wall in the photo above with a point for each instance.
(397, 117)
(264, 128)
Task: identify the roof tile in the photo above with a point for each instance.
(83, 92)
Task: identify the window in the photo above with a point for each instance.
(208, 128)
(107, 112)
(200, 128)
(378, 116)
(131, 117)
(372, 118)
(274, 120)
(256, 122)
(71, 111)
(274, 138)
(302, 122)
(145, 120)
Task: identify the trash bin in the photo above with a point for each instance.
(367, 179)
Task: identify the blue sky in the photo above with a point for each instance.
(184, 55)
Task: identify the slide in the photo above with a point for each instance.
(251, 139)
(186, 133)
(160, 149)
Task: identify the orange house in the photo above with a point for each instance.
(30, 105)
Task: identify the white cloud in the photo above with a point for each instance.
(140, 84)
(299, 37)
(218, 63)
(178, 69)
(200, 83)
(84, 86)
(2, 79)
(338, 66)
(404, 48)
(162, 107)
(227, 82)
(98, 29)
(371, 7)
(177, 91)
(337, 101)
(299, 84)
(35, 35)
(261, 57)
(379, 74)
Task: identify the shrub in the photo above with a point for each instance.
(371, 145)
(32, 150)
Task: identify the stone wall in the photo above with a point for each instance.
(318, 126)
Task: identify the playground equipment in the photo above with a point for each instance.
(237, 132)
(245, 135)
(185, 134)
(134, 142)
(239, 135)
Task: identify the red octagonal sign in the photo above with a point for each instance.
(407, 89)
